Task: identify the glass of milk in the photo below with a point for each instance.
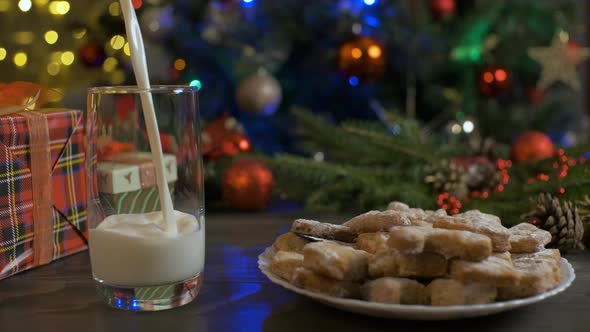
(145, 255)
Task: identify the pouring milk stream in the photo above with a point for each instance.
(150, 248)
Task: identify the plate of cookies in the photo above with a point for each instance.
(409, 263)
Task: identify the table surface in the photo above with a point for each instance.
(236, 296)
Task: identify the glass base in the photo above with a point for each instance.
(150, 298)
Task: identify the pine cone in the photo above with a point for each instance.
(483, 176)
(560, 218)
(584, 212)
(445, 176)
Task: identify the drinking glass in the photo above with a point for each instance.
(136, 264)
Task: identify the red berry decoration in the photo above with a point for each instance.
(494, 81)
(443, 8)
(247, 185)
(449, 203)
(531, 145)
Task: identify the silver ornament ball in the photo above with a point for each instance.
(259, 93)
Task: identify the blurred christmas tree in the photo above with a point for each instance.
(62, 44)
(441, 79)
(463, 67)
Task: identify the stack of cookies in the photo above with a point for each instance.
(411, 256)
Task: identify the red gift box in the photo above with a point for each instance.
(43, 199)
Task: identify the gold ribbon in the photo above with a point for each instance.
(22, 98)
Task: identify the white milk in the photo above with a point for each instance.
(139, 63)
(136, 250)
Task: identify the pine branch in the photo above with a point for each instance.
(340, 145)
(388, 142)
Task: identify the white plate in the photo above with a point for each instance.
(416, 312)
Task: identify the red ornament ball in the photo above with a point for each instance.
(247, 185)
(362, 57)
(494, 81)
(92, 54)
(531, 145)
(443, 8)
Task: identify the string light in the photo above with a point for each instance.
(117, 42)
(353, 80)
(2, 53)
(500, 75)
(53, 68)
(244, 145)
(109, 64)
(59, 7)
(356, 53)
(115, 8)
(374, 51)
(51, 37)
(179, 64)
(468, 126)
(41, 2)
(456, 128)
(196, 83)
(370, 2)
(126, 49)
(25, 5)
(67, 58)
(20, 59)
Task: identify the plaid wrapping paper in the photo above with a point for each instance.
(68, 182)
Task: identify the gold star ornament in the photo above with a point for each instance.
(559, 61)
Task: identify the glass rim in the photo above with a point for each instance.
(131, 89)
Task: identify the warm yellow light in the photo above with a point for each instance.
(356, 53)
(51, 37)
(53, 68)
(179, 64)
(25, 5)
(23, 37)
(59, 7)
(117, 42)
(4, 5)
(374, 51)
(117, 77)
(114, 9)
(67, 58)
(126, 49)
(55, 56)
(79, 33)
(110, 64)
(2, 53)
(20, 59)
(41, 2)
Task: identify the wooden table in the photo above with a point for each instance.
(237, 297)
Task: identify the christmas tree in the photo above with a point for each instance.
(460, 104)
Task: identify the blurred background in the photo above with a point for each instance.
(328, 91)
